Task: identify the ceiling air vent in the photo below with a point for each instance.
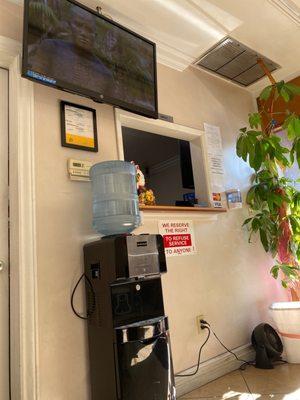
(234, 61)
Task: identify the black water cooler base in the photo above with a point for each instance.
(128, 334)
(145, 364)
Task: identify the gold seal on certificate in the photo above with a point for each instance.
(78, 127)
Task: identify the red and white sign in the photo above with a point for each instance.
(179, 237)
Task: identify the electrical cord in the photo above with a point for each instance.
(89, 313)
(245, 363)
(199, 355)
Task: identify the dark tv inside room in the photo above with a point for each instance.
(165, 162)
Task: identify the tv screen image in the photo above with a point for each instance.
(69, 46)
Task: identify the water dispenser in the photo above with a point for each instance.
(128, 332)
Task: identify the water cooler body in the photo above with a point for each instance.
(129, 344)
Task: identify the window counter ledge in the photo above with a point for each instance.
(194, 213)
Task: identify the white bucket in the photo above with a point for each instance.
(286, 316)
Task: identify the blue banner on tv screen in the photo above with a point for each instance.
(40, 77)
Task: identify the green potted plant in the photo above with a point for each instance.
(273, 199)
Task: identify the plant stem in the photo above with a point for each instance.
(263, 66)
(261, 63)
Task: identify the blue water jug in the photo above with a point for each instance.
(115, 198)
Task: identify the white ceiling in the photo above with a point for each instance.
(182, 29)
(185, 29)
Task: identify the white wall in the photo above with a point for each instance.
(227, 281)
(63, 226)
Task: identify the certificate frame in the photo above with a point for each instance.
(83, 143)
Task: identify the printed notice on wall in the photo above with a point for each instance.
(215, 163)
(179, 237)
(79, 126)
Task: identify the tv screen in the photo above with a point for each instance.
(73, 48)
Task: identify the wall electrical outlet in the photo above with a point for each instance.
(198, 319)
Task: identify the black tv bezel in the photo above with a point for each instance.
(69, 87)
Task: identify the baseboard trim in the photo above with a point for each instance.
(213, 369)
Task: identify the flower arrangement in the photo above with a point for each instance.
(146, 196)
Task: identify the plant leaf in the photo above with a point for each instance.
(275, 271)
(297, 150)
(245, 149)
(293, 88)
(284, 284)
(247, 221)
(292, 124)
(239, 146)
(250, 195)
(254, 120)
(258, 157)
(284, 94)
(264, 239)
(255, 224)
(278, 200)
(265, 94)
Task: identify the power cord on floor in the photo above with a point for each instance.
(245, 363)
(206, 325)
(89, 312)
(199, 356)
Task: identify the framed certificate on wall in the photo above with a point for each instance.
(78, 127)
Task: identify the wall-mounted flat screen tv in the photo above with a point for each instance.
(71, 47)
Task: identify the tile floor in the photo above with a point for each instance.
(281, 383)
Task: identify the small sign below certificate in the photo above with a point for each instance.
(78, 127)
